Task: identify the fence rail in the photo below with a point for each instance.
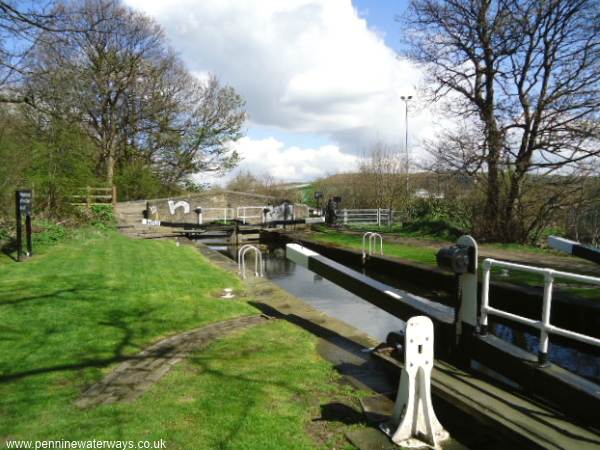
(95, 196)
(376, 216)
(543, 325)
(215, 215)
(250, 212)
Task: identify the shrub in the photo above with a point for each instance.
(46, 233)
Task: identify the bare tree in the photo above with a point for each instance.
(385, 172)
(116, 75)
(524, 73)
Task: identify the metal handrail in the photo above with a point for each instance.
(258, 266)
(225, 215)
(372, 241)
(372, 236)
(544, 324)
(243, 216)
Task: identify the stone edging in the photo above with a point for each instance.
(139, 373)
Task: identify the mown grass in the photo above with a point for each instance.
(70, 314)
(423, 255)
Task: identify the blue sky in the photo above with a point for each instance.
(381, 15)
(322, 79)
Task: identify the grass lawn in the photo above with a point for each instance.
(419, 254)
(73, 311)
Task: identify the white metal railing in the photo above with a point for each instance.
(258, 266)
(372, 237)
(256, 212)
(377, 216)
(215, 214)
(544, 324)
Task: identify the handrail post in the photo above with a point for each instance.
(485, 296)
(364, 253)
(546, 309)
(258, 271)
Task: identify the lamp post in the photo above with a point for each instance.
(405, 99)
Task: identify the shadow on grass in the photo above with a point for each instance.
(342, 413)
(8, 248)
(116, 318)
(348, 357)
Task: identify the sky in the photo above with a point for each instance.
(322, 79)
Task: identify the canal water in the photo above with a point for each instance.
(344, 305)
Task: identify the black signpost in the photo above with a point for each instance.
(318, 197)
(23, 203)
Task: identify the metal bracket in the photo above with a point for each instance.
(413, 422)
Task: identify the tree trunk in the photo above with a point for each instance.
(110, 162)
(493, 191)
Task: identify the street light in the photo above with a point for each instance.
(405, 99)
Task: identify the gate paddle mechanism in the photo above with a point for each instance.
(413, 422)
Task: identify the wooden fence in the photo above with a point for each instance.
(89, 196)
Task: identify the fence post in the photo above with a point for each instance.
(88, 199)
(543, 349)
(485, 296)
(345, 216)
(378, 217)
(114, 195)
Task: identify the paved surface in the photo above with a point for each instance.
(129, 221)
(134, 377)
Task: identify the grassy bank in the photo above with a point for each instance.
(71, 313)
(424, 255)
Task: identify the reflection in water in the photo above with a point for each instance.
(325, 295)
(581, 363)
(343, 305)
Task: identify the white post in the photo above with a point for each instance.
(378, 217)
(546, 308)
(485, 295)
(364, 247)
(413, 422)
(345, 216)
(468, 288)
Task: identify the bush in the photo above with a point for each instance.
(47, 233)
(439, 213)
(102, 214)
(138, 181)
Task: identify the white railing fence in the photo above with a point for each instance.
(543, 325)
(246, 213)
(215, 215)
(378, 216)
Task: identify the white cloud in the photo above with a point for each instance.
(271, 156)
(303, 65)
